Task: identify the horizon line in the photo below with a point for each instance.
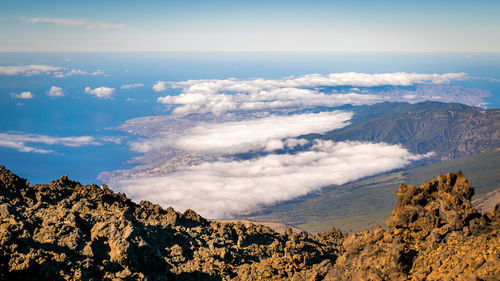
(223, 51)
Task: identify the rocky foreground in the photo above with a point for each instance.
(68, 231)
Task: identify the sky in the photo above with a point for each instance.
(235, 26)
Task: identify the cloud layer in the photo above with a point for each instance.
(219, 96)
(28, 70)
(243, 136)
(225, 188)
(18, 141)
(246, 135)
(34, 69)
(182, 165)
(101, 92)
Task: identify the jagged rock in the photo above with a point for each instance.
(68, 231)
(435, 234)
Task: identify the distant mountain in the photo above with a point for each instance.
(451, 130)
(68, 231)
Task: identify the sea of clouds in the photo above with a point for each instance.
(226, 188)
(264, 118)
(192, 157)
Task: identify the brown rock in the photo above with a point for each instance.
(66, 231)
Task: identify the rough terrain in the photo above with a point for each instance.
(449, 130)
(68, 231)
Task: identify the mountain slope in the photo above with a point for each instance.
(450, 130)
(367, 202)
(64, 230)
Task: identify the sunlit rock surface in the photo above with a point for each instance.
(68, 231)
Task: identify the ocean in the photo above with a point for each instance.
(80, 114)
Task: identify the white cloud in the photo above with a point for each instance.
(131, 86)
(246, 135)
(101, 92)
(74, 72)
(262, 100)
(293, 142)
(56, 92)
(160, 86)
(224, 188)
(267, 132)
(233, 116)
(18, 141)
(24, 95)
(410, 97)
(315, 80)
(74, 22)
(28, 70)
(218, 96)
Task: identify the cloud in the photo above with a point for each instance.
(24, 95)
(31, 70)
(182, 164)
(18, 141)
(227, 188)
(74, 72)
(243, 136)
(262, 100)
(101, 92)
(410, 97)
(246, 135)
(59, 21)
(314, 80)
(28, 70)
(131, 86)
(160, 86)
(74, 22)
(55, 92)
(219, 96)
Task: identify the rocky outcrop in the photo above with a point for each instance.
(435, 234)
(68, 231)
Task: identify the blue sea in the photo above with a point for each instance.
(80, 114)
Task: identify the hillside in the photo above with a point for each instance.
(450, 130)
(367, 202)
(68, 231)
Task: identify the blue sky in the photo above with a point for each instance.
(304, 26)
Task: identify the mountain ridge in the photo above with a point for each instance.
(450, 130)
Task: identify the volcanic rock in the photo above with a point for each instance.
(68, 231)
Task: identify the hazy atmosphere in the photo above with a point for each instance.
(234, 26)
(249, 140)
